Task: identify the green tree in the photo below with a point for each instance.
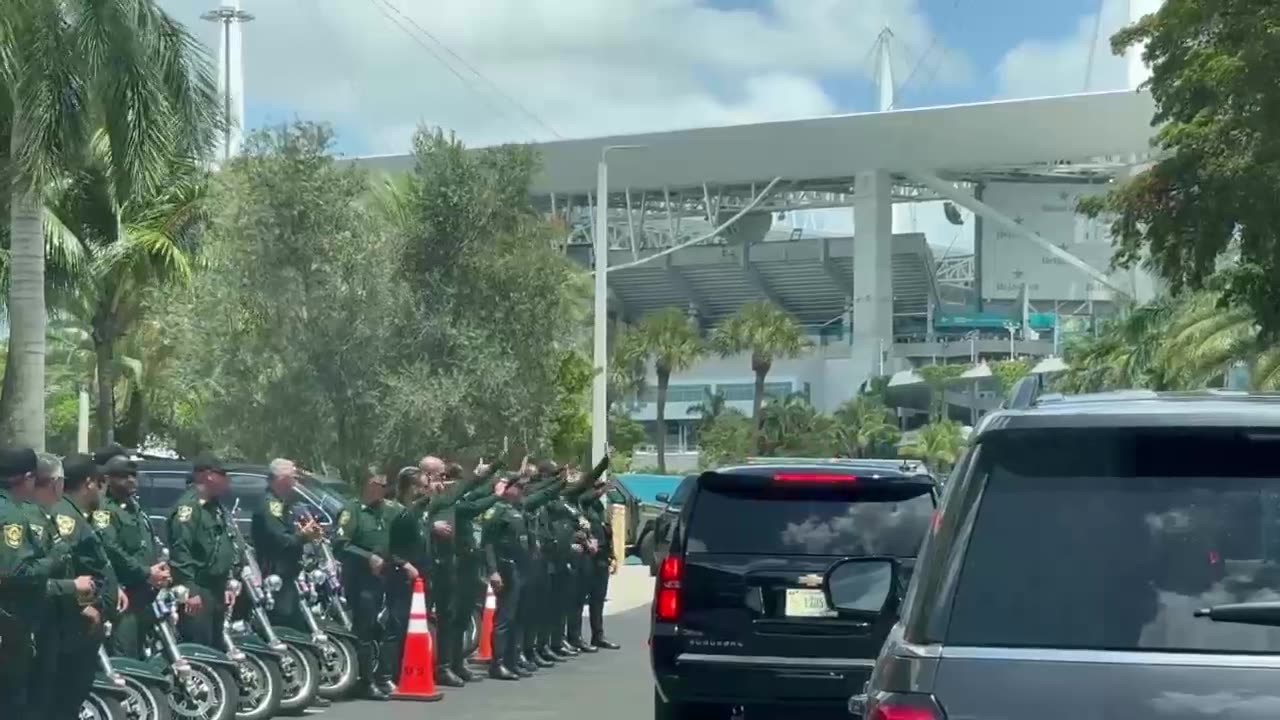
(1211, 195)
(938, 377)
(729, 440)
(713, 405)
(68, 69)
(571, 433)
(864, 427)
(1125, 353)
(668, 339)
(1007, 373)
(768, 333)
(938, 444)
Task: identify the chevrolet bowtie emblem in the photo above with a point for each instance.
(810, 580)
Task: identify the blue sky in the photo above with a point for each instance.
(377, 69)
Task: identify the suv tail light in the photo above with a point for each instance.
(814, 478)
(903, 706)
(669, 576)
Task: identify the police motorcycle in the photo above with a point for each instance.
(145, 687)
(203, 681)
(288, 657)
(319, 593)
(105, 701)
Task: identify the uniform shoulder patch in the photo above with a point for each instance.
(184, 513)
(345, 518)
(13, 536)
(66, 525)
(37, 531)
(488, 514)
(276, 508)
(101, 519)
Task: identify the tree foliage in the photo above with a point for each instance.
(1210, 196)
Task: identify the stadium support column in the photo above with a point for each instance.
(872, 334)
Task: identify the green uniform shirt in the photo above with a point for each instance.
(85, 551)
(504, 536)
(23, 580)
(363, 532)
(466, 531)
(52, 556)
(126, 534)
(276, 539)
(202, 551)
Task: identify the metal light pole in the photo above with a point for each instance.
(600, 350)
(226, 15)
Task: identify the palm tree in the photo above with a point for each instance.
(864, 424)
(67, 69)
(712, 406)
(670, 340)
(788, 425)
(939, 444)
(133, 243)
(768, 333)
(1124, 354)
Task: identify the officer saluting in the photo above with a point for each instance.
(202, 552)
(363, 544)
(505, 542)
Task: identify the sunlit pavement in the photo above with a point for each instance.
(613, 684)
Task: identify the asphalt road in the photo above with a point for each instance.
(613, 684)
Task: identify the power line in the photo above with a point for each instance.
(378, 4)
(502, 93)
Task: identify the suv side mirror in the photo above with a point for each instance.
(663, 498)
(861, 586)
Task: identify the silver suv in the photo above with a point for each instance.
(1105, 556)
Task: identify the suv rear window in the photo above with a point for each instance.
(1113, 539)
(811, 520)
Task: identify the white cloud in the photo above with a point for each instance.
(587, 67)
(1059, 66)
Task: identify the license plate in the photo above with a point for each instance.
(807, 603)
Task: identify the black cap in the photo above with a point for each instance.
(548, 468)
(78, 468)
(210, 463)
(106, 452)
(119, 466)
(18, 461)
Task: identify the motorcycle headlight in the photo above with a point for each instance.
(246, 574)
(274, 583)
(234, 586)
(319, 577)
(180, 593)
(240, 627)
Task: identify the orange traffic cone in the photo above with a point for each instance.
(418, 667)
(484, 651)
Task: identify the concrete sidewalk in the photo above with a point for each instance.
(629, 588)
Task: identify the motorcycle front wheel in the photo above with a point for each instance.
(207, 692)
(338, 667)
(471, 636)
(145, 702)
(102, 707)
(300, 671)
(261, 687)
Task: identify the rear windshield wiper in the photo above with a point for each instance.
(1254, 613)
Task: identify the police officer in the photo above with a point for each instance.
(505, 545)
(461, 503)
(126, 534)
(601, 562)
(408, 551)
(534, 601)
(279, 539)
(81, 626)
(202, 551)
(363, 545)
(582, 562)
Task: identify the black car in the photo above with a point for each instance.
(162, 482)
(740, 618)
(655, 537)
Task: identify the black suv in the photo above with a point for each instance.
(162, 482)
(655, 537)
(739, 613)
(1112, 555)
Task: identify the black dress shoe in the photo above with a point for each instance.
(373, 692)
(583, 647)
(497, 672)
(529, 666)
(542, 662)
(387, 687)
(466, 675)
(549, 656)
(521, 671)
(445, 677)
(604, 644)
(567, 649)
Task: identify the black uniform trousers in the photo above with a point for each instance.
(597, 591)
(204, 627)
(286, 608)
(506, 628)
(551, 625)
(578, 591)
(444, 590)
(20, 669)
(469, 593)
(399, 600)
(129, 636)
(77, 665)
(366, 596)
(532, 604)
